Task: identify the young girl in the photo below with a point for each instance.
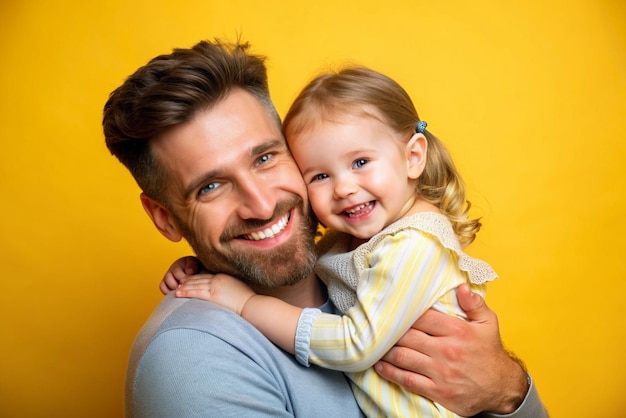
(397, 219)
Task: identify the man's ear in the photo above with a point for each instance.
(161, 217)
(416, 151)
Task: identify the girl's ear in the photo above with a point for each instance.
(161, 217)
(416, 150)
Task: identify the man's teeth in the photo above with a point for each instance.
(270, 231)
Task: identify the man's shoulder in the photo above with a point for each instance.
(195, 322)
(207, 353)
(192, 314)
(186, 341)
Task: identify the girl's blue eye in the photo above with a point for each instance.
(319, 177)
(359, 163)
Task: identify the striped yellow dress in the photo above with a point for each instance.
(381, 288)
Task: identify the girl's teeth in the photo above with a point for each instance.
(355, 209)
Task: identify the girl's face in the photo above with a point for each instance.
(360, 173)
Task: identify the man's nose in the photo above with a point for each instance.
(256, 200)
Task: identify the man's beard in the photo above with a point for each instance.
(285, 265)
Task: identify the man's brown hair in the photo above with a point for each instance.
(170, 90)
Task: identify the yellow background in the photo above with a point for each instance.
(530, 97)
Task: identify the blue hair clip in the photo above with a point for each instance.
(421, 126)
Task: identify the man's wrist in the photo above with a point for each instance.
(515, 390)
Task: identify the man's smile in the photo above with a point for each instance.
(269, 231)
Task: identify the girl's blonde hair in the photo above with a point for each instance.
(356, 90)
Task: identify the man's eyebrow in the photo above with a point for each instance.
(205, 177)
(272, 143)
(199, 181)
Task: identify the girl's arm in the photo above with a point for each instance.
(277, 320)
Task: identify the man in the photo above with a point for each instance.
(199, 133)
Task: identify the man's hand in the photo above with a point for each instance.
(460, 364)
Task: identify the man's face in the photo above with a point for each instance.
(236, 194)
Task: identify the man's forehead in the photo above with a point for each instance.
(218, 140)
(239, 118)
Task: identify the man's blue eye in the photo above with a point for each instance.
(208, 188)
(359, 163)
(265, 158)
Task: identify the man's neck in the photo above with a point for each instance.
(308, 293)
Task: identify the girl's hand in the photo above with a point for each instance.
(178, 272)
(222, 289)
